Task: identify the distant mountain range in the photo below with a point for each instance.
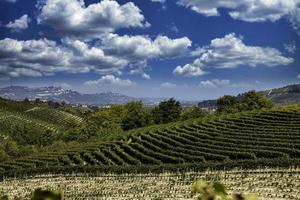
(59, 94)
(284, 95)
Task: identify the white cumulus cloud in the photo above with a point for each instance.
(246, 10)
(249, 10)
(110, 80)
(231, 52)
(19, 24)
(74, 18)
(105, 56)
(214, 83)
(189, 70)
(142, 47)
(46, 57)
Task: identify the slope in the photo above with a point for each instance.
(248, 140)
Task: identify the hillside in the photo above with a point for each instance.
(14, 114)
(249, 140)
(284, 95)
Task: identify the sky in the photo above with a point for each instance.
(187, 49)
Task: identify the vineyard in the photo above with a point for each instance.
(269, 184)
(54, 116)
(9, 119)
(13, 113)
(248, 140)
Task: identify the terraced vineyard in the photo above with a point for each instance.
(13, 113)
(269, 184)
(54, 116)
(8, 119)
(248, 140)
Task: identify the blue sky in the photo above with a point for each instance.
(187, 49)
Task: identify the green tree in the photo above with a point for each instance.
(31, 134)
(193, 113)
(11, 148)
(136, 116)
(167, 111)
(98, 124)
(228, 104)
(254, 100)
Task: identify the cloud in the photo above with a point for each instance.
(291, 48)
(62, 85)
(173, 27)
(110, 80)
(19, 24)
(249, 10)
(168, 85)
(45, 57)
(92, 58)
(159, 1)
(231, 52)
(188, 70)
(214, 83)
(74, 19)
(10, 1)
(298, 76)
(246, 10)
(294, 18)
(140, 68)
(105, 56)
(141, 47)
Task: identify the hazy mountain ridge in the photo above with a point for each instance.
(60, 94)
(284, 95)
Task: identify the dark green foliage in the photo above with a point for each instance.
(40, 194)
(29, 134)
(249, 101)
(228, 104)
(167, 111)
(136, 116)
(5, 197)
(193, 113)
(253, 101)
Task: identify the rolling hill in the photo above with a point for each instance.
(284, 95)
(249, 140)
(14, 113)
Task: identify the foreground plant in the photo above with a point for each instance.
(40, 194)
(217, 191)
